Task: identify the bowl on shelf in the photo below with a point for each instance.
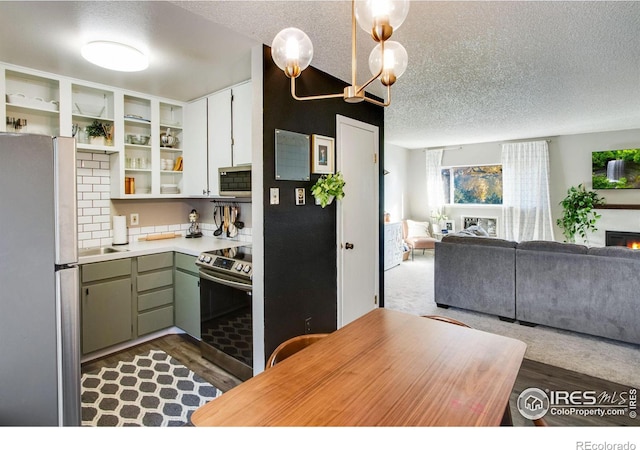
(138, 139)
(86, 109)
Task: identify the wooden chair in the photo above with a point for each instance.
(506, 419)
(292, 346)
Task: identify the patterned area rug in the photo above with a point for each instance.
(152, 390)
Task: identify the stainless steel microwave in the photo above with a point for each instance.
(235, 181)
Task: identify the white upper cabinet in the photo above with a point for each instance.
(195, 149)
(220, 140)
(241, 118)
(220, 134)
(206, 134)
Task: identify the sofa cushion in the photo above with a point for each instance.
(458, 238)
(474, 230)
(616, 252)
(417, 229)
(552, 246)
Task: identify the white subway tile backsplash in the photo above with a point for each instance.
(94, 207)
(90, 211)
(100, 157)
(91, 180)
(84, 172)
(90, 164)
(92, 227)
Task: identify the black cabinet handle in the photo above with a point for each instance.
(348, 246)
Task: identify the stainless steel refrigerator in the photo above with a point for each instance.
(39, 305)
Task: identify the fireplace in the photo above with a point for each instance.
(623, 239)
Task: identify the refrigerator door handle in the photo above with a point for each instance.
(68, 317)
(66, 209)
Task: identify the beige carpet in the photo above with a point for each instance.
(409, 288)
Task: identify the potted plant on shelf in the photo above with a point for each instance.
(327, 188)
(579, 215)
(96, 133)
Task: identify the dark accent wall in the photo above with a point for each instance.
(300, 241)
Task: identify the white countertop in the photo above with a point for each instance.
(179, 244)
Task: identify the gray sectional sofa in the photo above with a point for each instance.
(568, 286)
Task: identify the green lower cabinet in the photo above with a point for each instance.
(187, 288)
(106, 314)
(154, 288)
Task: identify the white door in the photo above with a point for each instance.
(357, 219)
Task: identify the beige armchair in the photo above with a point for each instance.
(417, 236)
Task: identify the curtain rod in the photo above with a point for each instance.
(460, 147)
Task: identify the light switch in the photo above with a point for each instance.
(274, 195)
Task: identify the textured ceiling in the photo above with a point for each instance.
(478, 71)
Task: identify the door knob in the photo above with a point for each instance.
(348, 246)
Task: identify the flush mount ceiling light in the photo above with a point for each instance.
(292, 49)
(115, 56)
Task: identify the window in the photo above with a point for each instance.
(472, 185)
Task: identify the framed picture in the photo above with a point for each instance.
(300, 196)
(450, 226)
(489, 224)
(322, 154)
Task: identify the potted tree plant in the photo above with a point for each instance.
(327, 188)
(96, 133)
(579, 215)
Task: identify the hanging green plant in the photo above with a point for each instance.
(579, 216)
(328, 187)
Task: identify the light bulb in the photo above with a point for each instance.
(381, 17)
(393, 62)
(292, 51)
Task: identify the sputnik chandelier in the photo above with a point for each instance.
(292, 49)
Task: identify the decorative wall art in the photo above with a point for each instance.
(322, 154)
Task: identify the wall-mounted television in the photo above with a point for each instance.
(616, 169)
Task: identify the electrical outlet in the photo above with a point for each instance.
(274, 195)
(307, 325)
(134, 219)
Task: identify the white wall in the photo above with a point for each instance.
(395, 200)
(570, 164)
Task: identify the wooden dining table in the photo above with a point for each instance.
(386, 368)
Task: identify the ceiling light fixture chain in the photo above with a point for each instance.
(292, 50)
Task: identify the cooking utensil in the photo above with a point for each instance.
(232, 231)
(225, 223)
(217, 213)
(239, 224)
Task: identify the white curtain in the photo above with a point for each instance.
(435, 195)
(526, 212)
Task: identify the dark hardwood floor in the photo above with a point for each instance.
(183, 348)
(532, 375)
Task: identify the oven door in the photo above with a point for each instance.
(226, 322)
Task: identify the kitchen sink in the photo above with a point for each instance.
(100, 251)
